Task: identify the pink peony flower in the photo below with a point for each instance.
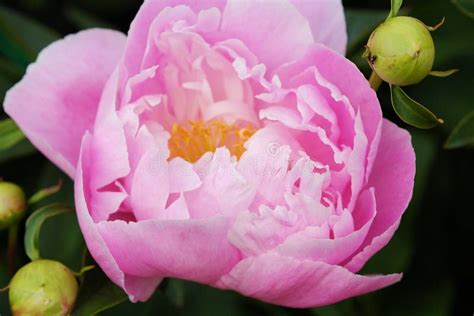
(223, 142)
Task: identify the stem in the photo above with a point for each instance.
(12, 240)
(375, 81)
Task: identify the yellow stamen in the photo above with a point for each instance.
(193, 139)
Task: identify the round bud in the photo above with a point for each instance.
(12, 204)
(401, 51)
(43, 287)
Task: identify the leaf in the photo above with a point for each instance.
(463, 133)
(23, 148)
(33, 227)
(10, 134)
(97, 293)
(22, 38)
(443, 73)
(396, 5)
(465, 6)
(83, 270)
(412, 112)
(44, 193)
(68, 248)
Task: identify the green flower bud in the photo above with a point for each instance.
(12, 204)
(401, 51)
(43, 287)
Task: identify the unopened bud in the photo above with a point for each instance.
(401, 51)
(43, 287)
(12, 204)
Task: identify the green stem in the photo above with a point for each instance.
(375, 81)
(11, 250)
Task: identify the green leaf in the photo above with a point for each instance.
(22, 38)
(443, 73)
(23, 148)
(97, 293)
(44, 193)
(396, 5)
(412, 112)
(465, 6)
(83, 270)
(463, 133)
(33, 227)
(10, 134)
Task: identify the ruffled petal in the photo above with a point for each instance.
(224, 189)
(138, 288)
(393, 179)
(139, 29)
(307, 244)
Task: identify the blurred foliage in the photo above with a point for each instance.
(432, 245)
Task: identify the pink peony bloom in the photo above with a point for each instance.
(224, 142)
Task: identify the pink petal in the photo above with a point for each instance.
(304, 245)
(299, 283)
(360, 259)
(102, 204)
(327, 21)
(150, 186)
(139, 29)
(257, 232)
(273, 30)
(182, 176)
(392, 177)
(57, 100)
(137, 288)
(265, 162)
(224, 189)
(109, 145)
(195, 250)
(344, 80)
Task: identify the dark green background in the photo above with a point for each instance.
(434, 245)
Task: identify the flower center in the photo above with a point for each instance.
(194, 138)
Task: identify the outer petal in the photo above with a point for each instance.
(327, 21)
(299, 283)
(137, 288)
(190, 249)
(275, 31)
(392, 177)
(56, 101)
